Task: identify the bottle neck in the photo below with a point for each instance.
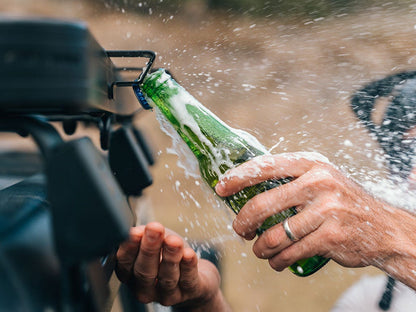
(214, 143)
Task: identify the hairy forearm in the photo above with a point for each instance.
(400, 261)
(216, 303)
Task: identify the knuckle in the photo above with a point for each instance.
(323, 175)
(270, 239)
(144, 298)
(170, 263)
(166, 301)
(335, 239)
(332, 240)
(148, 253)
(188, 285)
(285, 258)
(169, 299)
(144, 278)
(259, 207)
(331, 208)
(255, 203)
(168, 284)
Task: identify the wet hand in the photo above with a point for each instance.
(159, 267)
(336, 218)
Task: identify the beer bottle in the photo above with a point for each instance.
(217, 148)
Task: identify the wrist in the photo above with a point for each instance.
(399, 255)
(215, 302)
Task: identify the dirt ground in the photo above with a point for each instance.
(286, 82)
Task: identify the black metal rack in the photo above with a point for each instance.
(59, 229)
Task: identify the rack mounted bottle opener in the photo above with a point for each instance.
(135, 83)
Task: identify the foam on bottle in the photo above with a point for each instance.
(220, 155)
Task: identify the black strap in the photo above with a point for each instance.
(386, 299)
(398, 117)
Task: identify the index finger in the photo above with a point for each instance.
(267, 167)
(148, 259)
(127, 253)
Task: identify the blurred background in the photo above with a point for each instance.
(282, 70)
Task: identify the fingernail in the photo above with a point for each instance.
(152, 235)
(187, 260)
(219, 188)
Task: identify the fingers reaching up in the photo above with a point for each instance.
(159, 266)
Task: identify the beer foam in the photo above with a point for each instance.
(179, 105)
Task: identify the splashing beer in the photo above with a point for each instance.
(217, 148)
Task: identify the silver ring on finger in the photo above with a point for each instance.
(288, 232)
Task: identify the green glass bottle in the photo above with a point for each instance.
(217, 147)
